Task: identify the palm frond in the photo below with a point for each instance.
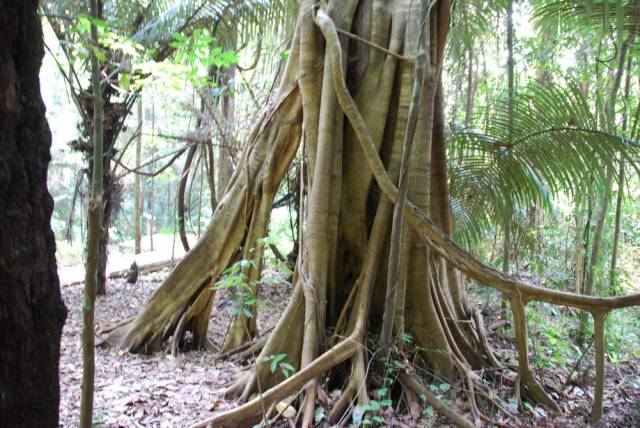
(604, 17)
(557, 147)
(226, 19)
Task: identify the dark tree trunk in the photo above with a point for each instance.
(112, 198)
(114, 116)
(31, 308)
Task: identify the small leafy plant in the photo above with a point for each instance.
(240, 287)
(278, 361)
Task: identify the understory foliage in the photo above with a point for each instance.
(360, 102)
(558, 146)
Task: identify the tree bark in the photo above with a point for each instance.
(182, 187)
(31, 309)
(506, 261)
(352, 150)
(226, 152)
(138, 182)
(93, 239)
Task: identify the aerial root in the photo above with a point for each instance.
(598, 393)
(483, 341)
(308, 406)
(235, 390)
(356, 389)
(528, 386)
(471, 395)
(525, 382)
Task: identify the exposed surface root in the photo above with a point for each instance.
(338, 354)
(356, 389)
(413, 384)
(245, 350)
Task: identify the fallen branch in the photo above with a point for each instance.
(121, 273)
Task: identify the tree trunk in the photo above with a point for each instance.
(613, 272)
(595, 252)
(579, 247)
(152, 190)
(31, 310)
(342, 268)
(506, 261)
(93, 239)
(226, 152)
(138, 182)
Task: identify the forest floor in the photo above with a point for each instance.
(166, 391)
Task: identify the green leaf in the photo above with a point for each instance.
(99, 23)
(287, 369)
(444, 387)
(180, 37)
(374, 405)
(125, 81)
(99, 54)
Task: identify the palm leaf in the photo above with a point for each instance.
(557, 147)
(604, 17)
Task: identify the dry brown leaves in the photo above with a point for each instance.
(147, 391)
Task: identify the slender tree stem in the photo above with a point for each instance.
(620, 197)
(138, 182)
(506, 257)
(93, 237)
(598, 394)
